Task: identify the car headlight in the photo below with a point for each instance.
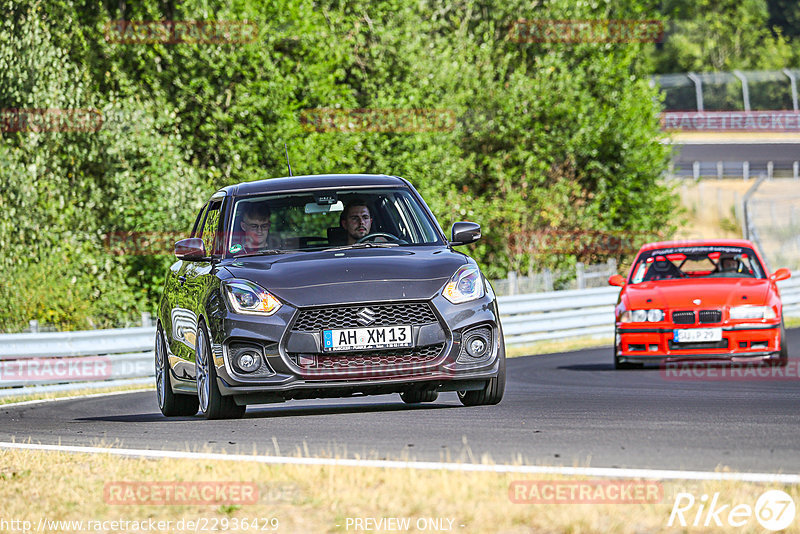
(464, 285)
(642, 316)
(752, 312)
(249, 298)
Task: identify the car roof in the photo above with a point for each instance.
(698, 243)
(314, 181)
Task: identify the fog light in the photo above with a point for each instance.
(248, 361)
(477, 347)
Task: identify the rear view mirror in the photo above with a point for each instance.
(313, 207)
(464, 233)
(616, 280)
(780, 274)
(190, 249)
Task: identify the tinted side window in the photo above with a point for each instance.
(198, 221)
(210, 234)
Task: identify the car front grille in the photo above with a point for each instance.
(683, 317)
(315, 319)
(365, 360)
(710, 316)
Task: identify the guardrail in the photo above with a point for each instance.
(58, 361)
(102, 358)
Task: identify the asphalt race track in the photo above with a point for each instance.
(568, 409)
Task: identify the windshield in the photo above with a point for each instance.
(330, 218)
(696, 262)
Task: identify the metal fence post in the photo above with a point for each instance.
(696, 170)
(34, 324)
(612, 266)
(146, 319)
(548, 280)
(770, 169)
(793, 82)
(796, 170)
(512, 282)
(698, 89)
(580, 274)
(719, 170)
(745, 170)
(745, 90)
(745, 206)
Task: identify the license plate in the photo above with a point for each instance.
(379, 337)
(697, 335)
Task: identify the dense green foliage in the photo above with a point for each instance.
(723, 35)
(547, 135)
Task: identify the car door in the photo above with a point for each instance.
(179, 323)
(198, 280)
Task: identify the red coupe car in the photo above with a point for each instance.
(699, 300)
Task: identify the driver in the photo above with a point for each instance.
(728, 265)
(356, 220)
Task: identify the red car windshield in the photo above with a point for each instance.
(674, 263)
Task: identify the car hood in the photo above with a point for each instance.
(713, 293)
(354, 275)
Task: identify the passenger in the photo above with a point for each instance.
(255, 223)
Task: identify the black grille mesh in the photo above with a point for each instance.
(346, 317)
(683, 317)
(710, 316)
(371, 360)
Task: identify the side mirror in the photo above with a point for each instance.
(616, 280)
(464, 233)
(780, 274)
(190, 249)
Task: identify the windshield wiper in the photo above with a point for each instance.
(264, 252)
(365, 245)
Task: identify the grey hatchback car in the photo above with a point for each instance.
(324, 286)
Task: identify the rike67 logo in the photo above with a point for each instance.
(774, 510)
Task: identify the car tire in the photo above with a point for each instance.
(213, 405)
(783, 357)
(492, 393)
(170, 403)
(417, 396)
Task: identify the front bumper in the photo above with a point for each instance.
(740, 343)
(283, 375)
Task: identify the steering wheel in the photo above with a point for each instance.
(372, 237)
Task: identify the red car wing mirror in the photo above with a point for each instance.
(780, 274)
(616, 280)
